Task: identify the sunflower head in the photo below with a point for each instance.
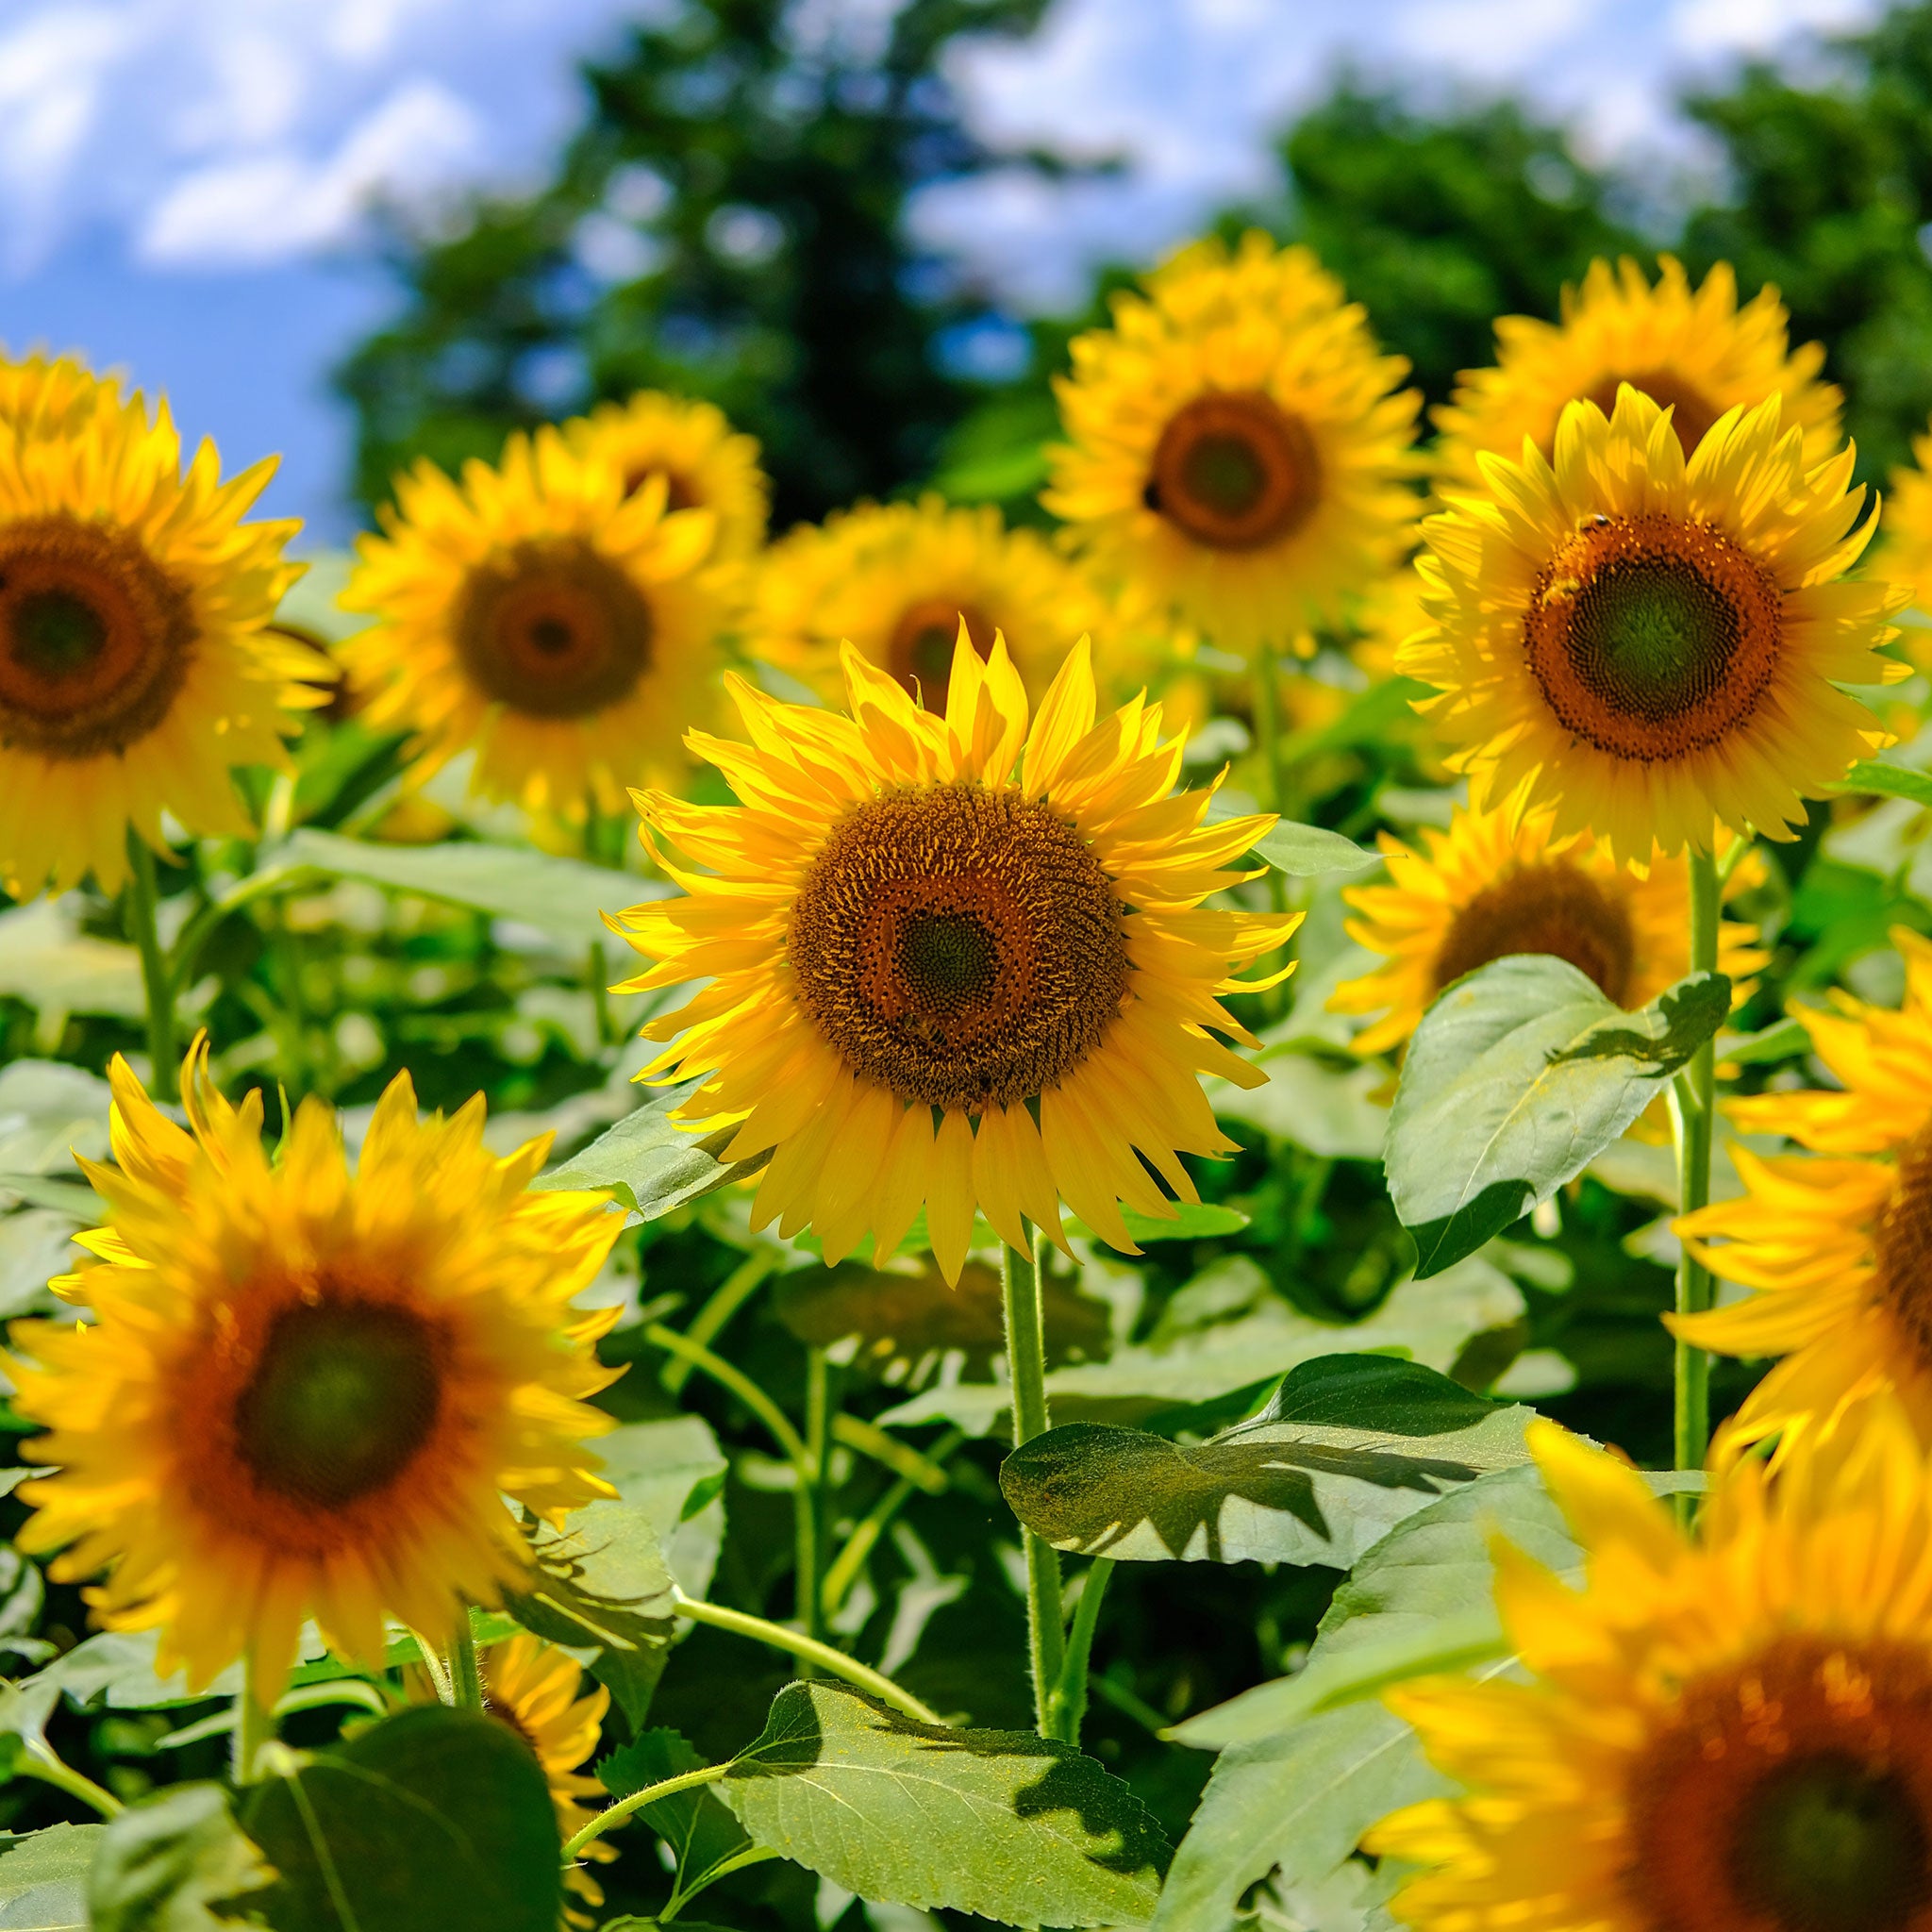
(955, 962)
(1730, 1734)
(565, 629)
(1233, 448)
(1497, 883)
(1691, 351)
(1648, 645)
(898, 580)
(305, 1392)
(704, 462)
(137, 661)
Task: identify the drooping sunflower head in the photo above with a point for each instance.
(1233, 446)
(1650, 646)
(897, 580)
(305, 1392)
(1835, 1244)
(137, 664)
(953, 962)
(1733, 1735)
(1496, 883)
(564, 628)
(1692, 351)
(705, 463)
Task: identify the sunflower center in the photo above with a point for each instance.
(1653, 638)
(958, 946)
(343, 1397)
(679, 492)
(1790, 1794)
(919, 651)
(1902, 1246)
(1552, 908)
(95, 639)
(1692, 412)
(1235, 470)
(554, 630)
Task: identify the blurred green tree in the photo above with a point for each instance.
(727, 224)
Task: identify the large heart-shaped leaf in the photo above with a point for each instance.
(43, 1876)
(1350, 1445)
(1517, 1077)
(167, 1865)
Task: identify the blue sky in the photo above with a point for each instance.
(184, 183)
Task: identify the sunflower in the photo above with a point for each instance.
(705, 463)
(1647, 645)
(1494, 884)
(1727, 1735)
(135, 662)
(1692, 351)
(1837, 1246)
(952, 963)
(898, 579)
(531, 1688)
(1903, 553)
(1233, 446)
(566, 630)
(306, 1393)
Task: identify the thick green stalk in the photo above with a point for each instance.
(810, 1496)
(465, 1672)
(1070, 1694)
(616, 1813)
(731, 1294)
(1693, 1120)
(137, 906)
(254, 1727)
(1026, 1362)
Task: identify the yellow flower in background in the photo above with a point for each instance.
(1837, 1245)
(1727, 1735)
(954, 964)
(1387, 616)
(1692, 351)
(566, 630)
(1233, 448)
(305, 1392)
(1902, 554)
(1492, 885)
(136, 665)
(1648, 645)
(898, 579)
(706, 464)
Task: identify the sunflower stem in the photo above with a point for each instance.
(616, 1813)
(1268, 729)
(54, 1771)
(465, 1672)
(254, 1727)
(1026, 1362)
(809, 1496)
(137, 911)
(1070, 1694)
(1692, 1120)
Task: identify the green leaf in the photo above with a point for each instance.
(43, 1876)
(1350, 1445)
(671, 1469)
(1782, 1040)
(1010, 1826)
(49, 1112)
(649, 1164)
(563, 898)
(1873, 775)
(433, 1817)
(706, 1839)
(161, 1866)
(1330, 1110)
(46, 960)
(1191, 1220)
(1517, 1077)
(1304, 852)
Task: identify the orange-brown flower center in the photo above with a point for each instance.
(1692, 412)
(95, 639)
(554, 629)
(958, 946)
(919, 651)
(1653, 638)
(1235, 470)
(1553, 907)
(678, 493)
(1792, 1793)
(1902, 1244)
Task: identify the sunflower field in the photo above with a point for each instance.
(1210, 1209)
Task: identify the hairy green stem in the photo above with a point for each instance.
(808, 1498)
(1026, 1362)
(254, 1727)
(734, 1378)
(864, 1539)
(63, 1777)
(708, 1323)
(616, 1813)
(1693, 1120)
(465, 1671)
(1070, 1694)
(138, 905)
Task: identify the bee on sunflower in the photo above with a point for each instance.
(1834, 1245)
(898, 579)
(1649, 644)
(1730, 1733)
(565, 628)
(1692, 351)
(1236, 448)
(1495, 883)
(706, 464)
(138, 664)
(306, 1392)
(953, 962)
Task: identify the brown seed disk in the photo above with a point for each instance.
(1692, 411)
(1902, 1245)
(1552, 907)
(1235, 470)
(919, 651)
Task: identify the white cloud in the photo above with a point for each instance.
(1702, 27)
